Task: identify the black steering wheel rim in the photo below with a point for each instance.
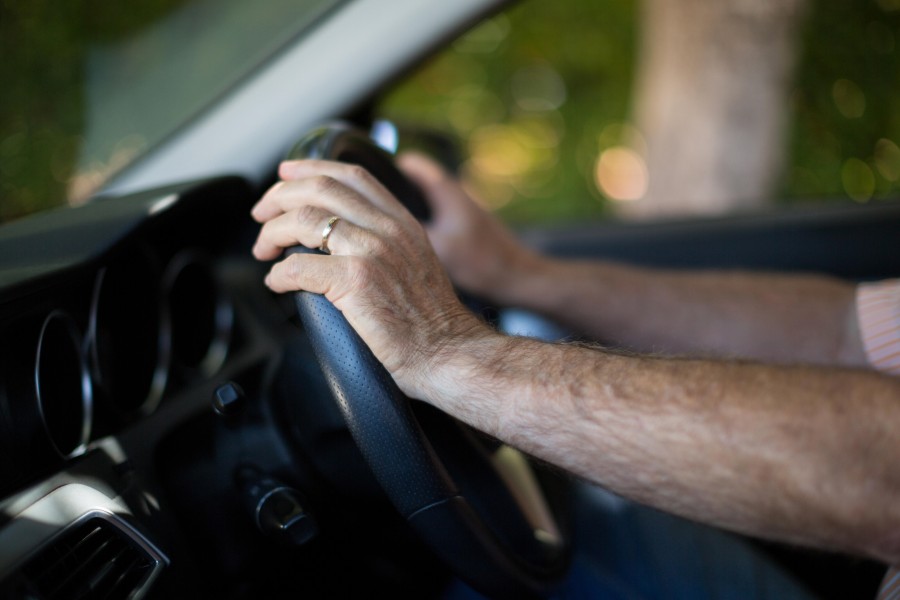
(501, 559)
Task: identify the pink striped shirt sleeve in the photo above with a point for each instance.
(890, 587)
(878, 310)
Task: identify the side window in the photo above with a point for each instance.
(579, 109)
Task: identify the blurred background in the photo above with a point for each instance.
(563, 111)
(577, 110)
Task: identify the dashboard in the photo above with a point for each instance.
(108, 311)
(165, 429)
(121, 321)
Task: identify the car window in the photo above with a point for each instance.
(91, 86)
(576, 110)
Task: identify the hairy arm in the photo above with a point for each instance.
(802, 454)
(768, 317)
(799, 454)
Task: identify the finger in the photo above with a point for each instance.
(353, 176)
(321, 191)
(309, 272)
(434, 180)
(307, 226)
(422, 169)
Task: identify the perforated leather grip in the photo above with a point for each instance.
(390, 436)
(376, 411)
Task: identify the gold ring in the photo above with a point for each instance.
(329, 227)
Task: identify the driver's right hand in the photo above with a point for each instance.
(382, 273)
(480, 253)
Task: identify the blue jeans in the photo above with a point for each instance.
(625, 551)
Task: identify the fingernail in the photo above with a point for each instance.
(268, 280)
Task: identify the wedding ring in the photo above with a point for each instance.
(329, 227)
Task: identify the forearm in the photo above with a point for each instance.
(803, 455)
(795, 319)
(770, 317)
(795, 453)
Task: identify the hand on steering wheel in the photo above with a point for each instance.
(383, 284)
(481, 254)
(381, 273)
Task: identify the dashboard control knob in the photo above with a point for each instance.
(278, 511)
(229, 400)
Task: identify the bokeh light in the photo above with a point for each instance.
(490, 193)
(858, 179)
(887, 159)
(538, 88)
(621, 174)
(500, 151)
(585, 156)
(849, 98)
(485, 38)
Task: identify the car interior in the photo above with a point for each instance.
(171, 428)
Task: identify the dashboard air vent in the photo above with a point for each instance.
(95, 559)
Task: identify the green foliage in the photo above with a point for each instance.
(846, 104)
(37, 129)
(470, 89)
(42, 106)
(533, 95)
(844, 114)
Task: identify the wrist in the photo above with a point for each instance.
(459, 379)
(429, 371)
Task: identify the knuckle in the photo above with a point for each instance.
(292, 269)
(393, 229)
(325, 184)
(379, 246)
(358, 172)
(359, 272)
(307, 214)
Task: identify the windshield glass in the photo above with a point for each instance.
(91, 86)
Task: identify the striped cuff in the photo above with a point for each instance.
(878, 311)
(890, 587)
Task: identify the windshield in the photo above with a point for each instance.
(92, 86)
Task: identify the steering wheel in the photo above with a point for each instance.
(484, 516)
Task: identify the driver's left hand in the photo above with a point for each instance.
(382, 273)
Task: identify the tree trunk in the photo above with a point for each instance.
(711, 101)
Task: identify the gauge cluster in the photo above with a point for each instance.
(120, 322)
(134, 311)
